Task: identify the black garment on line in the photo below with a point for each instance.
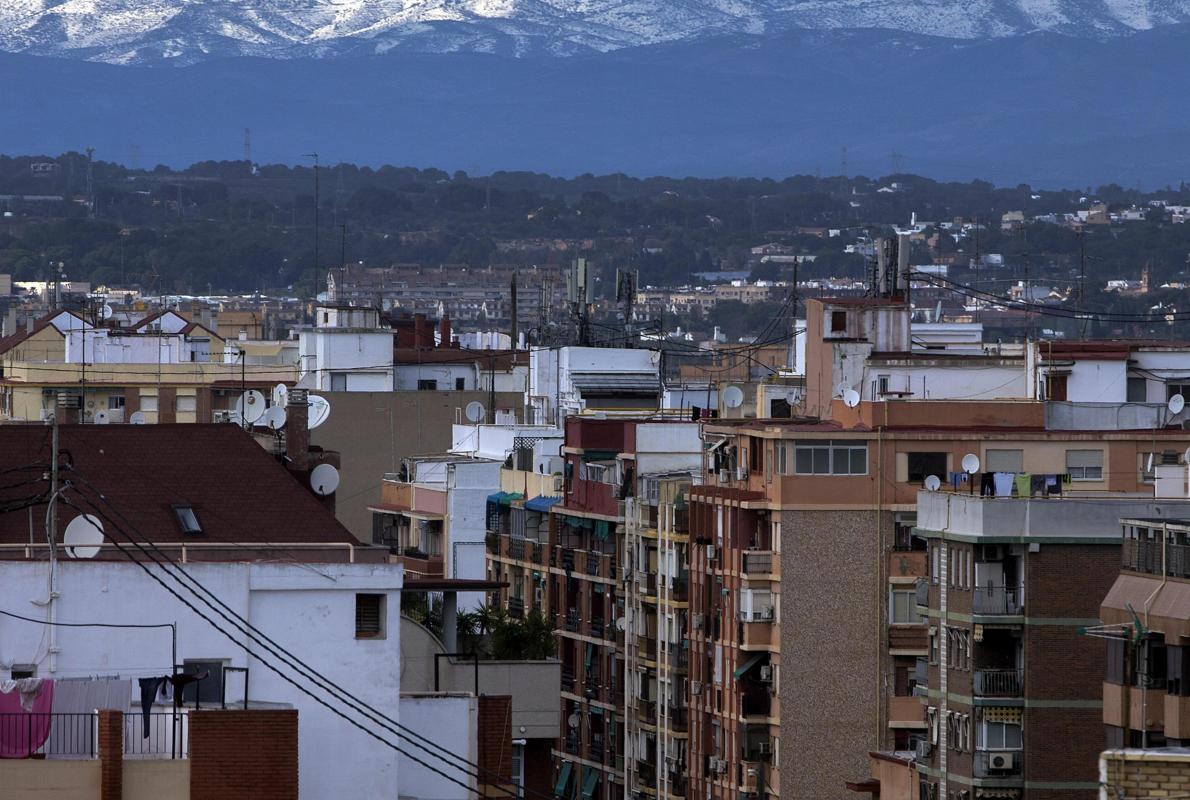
(987, 484)
(148, 693)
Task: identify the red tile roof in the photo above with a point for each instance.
(11, 341)
(239, 492)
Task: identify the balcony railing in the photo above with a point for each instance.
(758, 563)
(998, 763)
(567, 678)
(516, 548)
(998, 682)
(679, 589)
(570, 621)
(646, 772)
(923, 592)
(76, 736)
(1145, 556)
(516, 607)
(757, 704)
(537, 552)
(998, 600)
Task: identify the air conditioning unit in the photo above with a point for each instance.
(696, 622)
(718, 765)
(924, 749)
(991, 552)
(766, 674)
(1001, 761)
(741, 473)
(723, 476)
(695, 688)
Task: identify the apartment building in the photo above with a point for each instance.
(1013, 685)
(1146, 684)
(817, 520)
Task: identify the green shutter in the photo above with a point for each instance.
(563, 779)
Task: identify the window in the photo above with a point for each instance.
(186, 403)
(210, 688)
(782, 455)
(933, 645)
(1137, 390)
(823, 457)
(339, 382)
(115, 401)
(902, 607)
(1177, 388)
(187, 519)
(148, 402)
(1117, 661)
(1055, 387)
(23, 671)
(460, 384)
(1085, 465)
(999, 735)
(838, 321)
(1177, 671)
(922, 465)
(369, 616)
(1004, 461)
(427, 385)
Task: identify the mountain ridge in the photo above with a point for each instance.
(182, 32)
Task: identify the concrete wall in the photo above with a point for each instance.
(52, 780)
(366, 353)
(374, 431)
(833, 610)
(310, 612)
(163, 779)
(449, 721)
(466, 525)
(406, 376)
(1077, 518)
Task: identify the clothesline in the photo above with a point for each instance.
(1012, 484)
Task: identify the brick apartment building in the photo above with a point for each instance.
(1012, 684)
(1146, 688)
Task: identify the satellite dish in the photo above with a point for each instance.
(1149, 463)
(251, 406)
(138, 418)
(102, 418)
(572, 720)
(475, 411)
(842, 388)
(274, 418)
(324, 479)
(971, 463)
(281, 395)
(1186, 456)
(1176, 404)
(851, 398)
(83, 536)
(319, 411)
(933, 483)
(621, 624)
(106, 312)
(733, 397)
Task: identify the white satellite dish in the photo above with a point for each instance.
(933, 483)
(319, 410)
(1186, 456)
(573, 720)
(842, 388)
(251, 406)
(851, 398)
(971, 463)
(138, 418)
(1176, 404)
(83, 536)
(324, 479)
(733, 397)
(106, 312)
(281, 395)
(475, 411)
(274, 418)
(1149, 463)
(621, 624)
(102, 418)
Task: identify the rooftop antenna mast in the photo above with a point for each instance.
(91, 181)
(314, 277)
(248, 146)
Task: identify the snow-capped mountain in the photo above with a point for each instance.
(186, 31)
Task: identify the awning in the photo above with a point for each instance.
(741, 670)
(505, 498)
(591, 783)
(617, 383)
(542, 503)
(1167, 604)
(563, 779)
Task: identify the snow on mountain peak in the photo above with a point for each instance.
(184, 31)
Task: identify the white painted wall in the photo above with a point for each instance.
(365, 355)
(308, 610)
(496, 441)
(450, 721)
(406, 376)
(976, 382)
(469, 484)
(663, 447)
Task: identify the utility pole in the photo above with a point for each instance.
(1082, 282)
(91, 182)
(513, 332)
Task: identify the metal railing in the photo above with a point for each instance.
(1146, 556)
(48, 735)
(758, 563)
(516, 607)
(1001, 600)
(570, 622)
(998, 682)
(922, 587)
(166, 736)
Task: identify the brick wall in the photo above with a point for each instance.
(495, 739)
(244, 755)
(111, 754)
(1151, 773)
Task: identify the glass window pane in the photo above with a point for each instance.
(805, 461)
(822, 464)
(859, 461)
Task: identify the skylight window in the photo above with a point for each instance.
(187, 519)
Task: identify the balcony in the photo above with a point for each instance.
(906, 712)
(756, 704)
(570, 621)
(646, 647)
(758, 562)
(567, 678)
(999, 683)
(537, 552)
(679, 589)
(516, 607)
(516, 548)
(646, 711)
(1147, 557)
(998, 763)
(921, 672)
(421, 565)
(1002, 601)
(678, 719)
(908, 638)
(646, 772)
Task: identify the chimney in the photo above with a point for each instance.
(70, 407)
(419, 330)
(297, 430)
(29, 325)
(444, 330)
